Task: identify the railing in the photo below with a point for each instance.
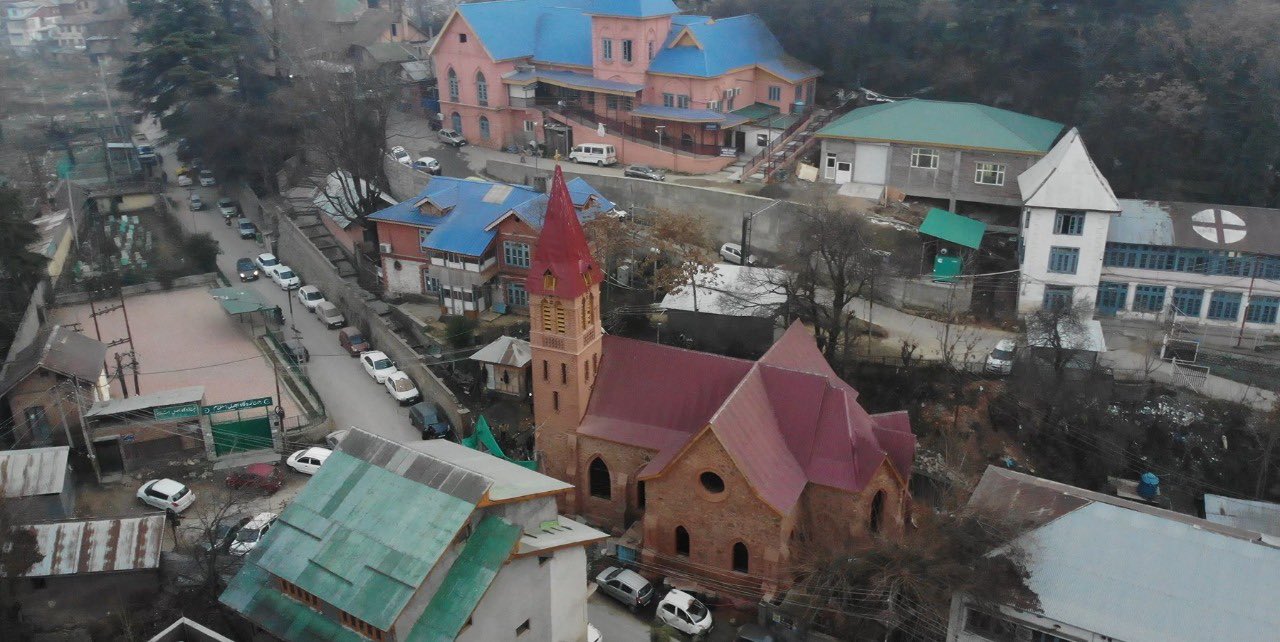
(630, 132)
(760, 158)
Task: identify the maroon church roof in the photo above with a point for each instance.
(562, 249)
(786, 420)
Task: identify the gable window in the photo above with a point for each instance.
(462, 37)
(598, 479)
(924, 158)
(775, 93)
(515, 254)
(682, 101)
(453, 86)
(668, 100)
(741, 559)
(682, 542)
(626, 51)
(877, 512)
(989, 174)
(1148, 298)
(606, 49)
(1058, 297)
(1064, 260)
(1224, 306)
(712, 482)
(482, 90)
(1069, 222)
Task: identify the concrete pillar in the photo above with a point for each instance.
(1204, 307)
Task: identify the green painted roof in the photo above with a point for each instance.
(764, 114)
(470, 576)
(240, 300)
(360, 538)
(756, 110)
(936, 122)
(251, 594)
(957, 229)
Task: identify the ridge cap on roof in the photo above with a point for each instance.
(988, 112)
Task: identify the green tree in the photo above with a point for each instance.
(203, 251)
(20, 268)
(183, 50)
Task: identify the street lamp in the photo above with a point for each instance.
(658, 131)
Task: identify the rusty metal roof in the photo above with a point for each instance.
(98, 545)
(33, 471)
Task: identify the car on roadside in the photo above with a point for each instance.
(644, 171)
(147, 154)
(352, 341)
(267, 262)
(451, 137)
(224, 532)
(228, 207)
(427, 164)
(167, 494)
(184, 178)
(401, 387)
(263, 477)
(329, 315)
(732, 252)
(246, 228)
(195, 203)
(308, 460)
(378, 365)
(1000, 361)
(430, 421)
(684, 613)
(626, 586)
(285, 278)
(250, 534)
(207, 179)
(334, 438)
(401, 155)
(247, 270)
(309, 296)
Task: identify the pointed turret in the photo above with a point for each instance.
(562, 265)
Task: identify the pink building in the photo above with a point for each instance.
(662, 88)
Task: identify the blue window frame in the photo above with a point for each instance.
(1224, 306)
(484, 127)
(456, 121)
(482, 90)
(1112, 296)
(453, 85)
(515, 254)
(775, 93)
(1057, 297)
(1148, 298)
(1064, 260)
(1187, 301)
(516, 294)
(1262, 309)
(1069, 222)
(1211, 262)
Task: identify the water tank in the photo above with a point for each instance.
(1148, 486)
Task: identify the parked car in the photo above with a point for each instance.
(598, 154)
(250, 534)
(166, 494)
(285, 278)
(308, 460)
(401, 155)
(223, 533)
(378, 365)
(295, 351)
(402, 388)
(428, 165)
(352, 341)
(264, 477)
(310, 297)
(427, 418)
(195, 203)
(626, 586)
(206, 178)
(267, 261)
(1000, 361)
(682, 612)
(247, 270)
(329, 315)
(228, 207)
(184, 178)
(645, 172)
(246, 228)
(334, 438)
(147, 154)
(451, 137)
(732, 252)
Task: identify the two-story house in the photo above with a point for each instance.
(961, 154)
(659, 86)
(467, 243)
(427, 540)
(30, 23)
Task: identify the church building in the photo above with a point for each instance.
(726, 468)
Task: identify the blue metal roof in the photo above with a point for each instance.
(509, 28)
(725, 45)
(572, 80)
(633, 8)
(688, 115)
(559, 37)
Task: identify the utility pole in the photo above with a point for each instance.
(128, 334)
(88, 442)
(120, 375)
(1244, 314)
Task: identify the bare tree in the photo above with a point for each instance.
(18, 553)
(207, 536)
(1058, 332)
(671, 250)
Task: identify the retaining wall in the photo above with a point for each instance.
(405, 182)
(209, 279)
(925, 294)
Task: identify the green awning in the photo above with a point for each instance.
(953, 228)
(483, 436)
(239, 301)
(467, 581)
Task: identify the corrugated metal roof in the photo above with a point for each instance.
(240, 300)
(559, 534)
(953, 227)
(509, 480)
(633, 8)
(507, 351)
(98, 546)
(33, 471)
(726, 44)
(252, 594)
(1250, 515)
(1066, 178)
(143, 402)
(951, 124)
(466, 582)
(59, 349)
(1202, 226)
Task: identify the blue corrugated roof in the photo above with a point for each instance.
(634, 8)
(559, 37)
(572, 79)
(688, 115)
(727, 44)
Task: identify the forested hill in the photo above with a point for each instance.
(1177, 99)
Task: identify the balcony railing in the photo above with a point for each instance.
(645, 135)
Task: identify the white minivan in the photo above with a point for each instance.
(594, 154)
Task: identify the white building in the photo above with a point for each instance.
(1106, 569)
(28, 24)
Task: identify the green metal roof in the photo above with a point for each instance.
(936, 122)
(360, 538)
(764, 114)
(240, 300)
(756, 110)
(251, 593)
(470, 576)
(952, 227)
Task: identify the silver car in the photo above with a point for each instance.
(626, 586)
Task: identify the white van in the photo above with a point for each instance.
(594, 154)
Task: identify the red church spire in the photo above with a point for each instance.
(562, 265)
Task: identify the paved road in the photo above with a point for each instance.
(350, 396)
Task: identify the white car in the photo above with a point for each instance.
(683, 613)
(250, 534)
(378, 365)
(166, 494)
(207, 179)
(267, 261)
(732, 252)
(401, 155)
(310, 296)
(428, 165)
(401, 387)
(285, 278)
(1000, 361)
(184, 180)
(308, 461)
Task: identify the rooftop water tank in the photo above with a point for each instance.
(1148, 486)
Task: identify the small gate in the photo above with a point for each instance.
(242, 435)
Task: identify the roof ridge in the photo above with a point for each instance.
(987, 111)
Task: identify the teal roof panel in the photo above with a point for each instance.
(467, 581)
(951, 124)
(952, 227)
(251, 594)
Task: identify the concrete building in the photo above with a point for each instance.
(659, 86)
(725, 467)
(37, 483)
(731, 310)
(45, 383)
(467, 243)
(129, 433)
(1105, 568)
(1247, 514)
(963, 154)
(427, 540)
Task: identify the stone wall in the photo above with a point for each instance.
(208, 279)
(924, 293)
(405, 182)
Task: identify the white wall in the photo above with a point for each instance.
(406, 280)
(750, 131)
(957, 633)
(1209, 283)
(552, 596)
(1038, 238)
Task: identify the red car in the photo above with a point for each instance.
(264, 477)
